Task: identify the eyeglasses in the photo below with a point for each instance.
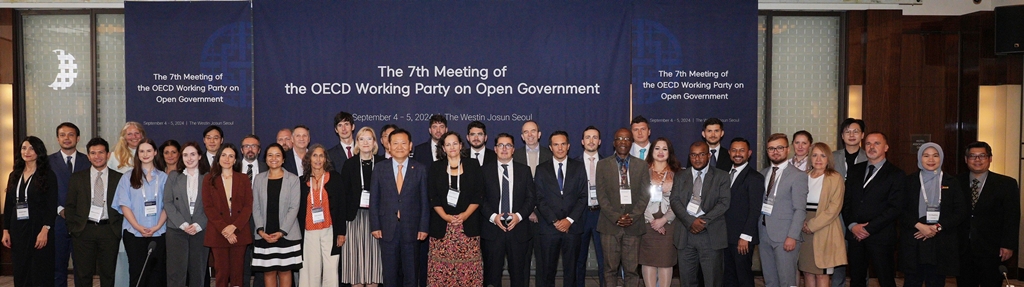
(977, 156)
(503, 146)
(623, 139)
(212, 138)
(851, 132)
(697, 155)
(248, 146)
(777, 148)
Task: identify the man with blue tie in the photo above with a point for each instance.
(561, 198)
(64, 162)
(399, 210)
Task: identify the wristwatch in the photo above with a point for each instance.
(938, 227)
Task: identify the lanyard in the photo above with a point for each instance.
(925, 195)
(362, 182)
(145, 186)
(872, 175)
(458, 178)
(320, 189)
(27, 184)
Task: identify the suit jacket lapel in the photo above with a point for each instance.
(705, 188)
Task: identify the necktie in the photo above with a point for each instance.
(698, 184)
(732, 177)
(593, 170)
(561, 178)
(476, 155)
(399, 179)
(71, 167)
(505, 206)
(771, 182)
(348, 150)
(249, 173)
(643, 151)
(975, 191)
(871, 170)
(714, 158)
(97, 190)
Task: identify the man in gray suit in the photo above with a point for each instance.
(623, 182)
(700, 202)
(783, 211)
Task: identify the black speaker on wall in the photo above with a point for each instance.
(1009, 29)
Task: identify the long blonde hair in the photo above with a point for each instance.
(122, 152)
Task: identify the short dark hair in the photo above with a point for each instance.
(251, 136)
(343, 116)
(213, 128)
(438, 118)
(98, 141)
(592, 128)
(558, 133)
(639, 119)
(884, 137)
(849, 121)
(69, 125)
(713, 121)
(807, 134)
(504, 135)
(476, 124)
(740, 139)
(978, 144)
(400, 131)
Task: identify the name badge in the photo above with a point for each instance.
(693, 208)
(932, 215)
(625, 197)
(318, 215)
(453, 197)
(22, 210)
(364, 199)
(656, 195)
(95, 213)
(150, 208)
(592, 196)
(766, 208)
(192, 207)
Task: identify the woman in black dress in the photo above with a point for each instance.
(29, 214)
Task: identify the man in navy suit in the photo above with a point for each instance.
(344, 125)
(63, 163)
(426, 153)
(399, 211)
(747, 186)
(561, 198)
(591, 142)
(476, 136)
(508, 199)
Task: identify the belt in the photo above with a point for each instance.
(594, 208)
(102, 222)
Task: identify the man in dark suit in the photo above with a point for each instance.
(713, 133)
(870, 208)
(741, 220)
(213, 138)
(95, 227)
(63, 163)
(476, 136)
(508, 199)
(699, 202)
(561, 198)
(344, 125)
(300, 145)
(399, 213)
(385, 131)
(251, 166)
(426, 153)
(623, 190)
(991, 235)
(532, 153)
(591, 142)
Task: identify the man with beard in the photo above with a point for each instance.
(741, 220)
(284, 138)
(426, 153)
(251, 164)
(713, 132)
(476, 135)
(64, 162)
(700, 201)
(783, 211)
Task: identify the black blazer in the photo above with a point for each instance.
(422, 154)
(745, 205)
(723, 162)
(290, 164)
(489, 155)
(879, 203)
(79, 202)
(994, 220)
(554, 204)
(334, 187)
(953, 211)
(338, 155)
(523, 202)
(471, 188)
(42, 204)
(351, 184)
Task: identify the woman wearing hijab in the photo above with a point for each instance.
(933, 209)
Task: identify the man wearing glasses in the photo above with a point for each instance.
(623, 184)
(213, 137)
(508, 198)
(700, 203)
(853, 135)
(783, 211)
(994, 223)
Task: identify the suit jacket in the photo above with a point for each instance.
(523, 201)
(829, 242)
(338, 155)
(554, 204)
(953, 211)
(260, 165)
(723, 162)
(204, 163)
(609, 200)
(76, 208)
(352, 186)
(878, 203)
(176, 201)
(715, 196)
(839, 157)
(790, 209)
(744, 212)
(42, 203)
(288, 205)
(489, 155)
(995, 218)
(422, 153)
(335, 199)
(290, 163)
(386, 201)
(520, 155)
(59, 165)
(219, 216)
(471, 189)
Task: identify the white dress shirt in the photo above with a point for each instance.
(511, 187)
(635, 150)
(478, 154)
(565, 164)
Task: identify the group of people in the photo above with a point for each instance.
(454, 211)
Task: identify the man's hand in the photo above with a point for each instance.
(789, 245)
(563, 225)
(1005, 254)
(624, 221)
(513, 223)
(533, 217)
(860, 232)
(376, 234)
(743, 247)
(421, 236)
(497, 221)
(697, 226)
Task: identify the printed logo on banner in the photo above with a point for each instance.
(657, 49)
(67, 71)
(227, 51)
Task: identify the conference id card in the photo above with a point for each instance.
(656, 193)
(932, 215)
(22, 210)
(453, 197)
(766, 208)
(150, 208)
(364, 199)
(192, 207)
(693, 208)
(625, 197)
(592, 196)
(95, 213)
(318, 215)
